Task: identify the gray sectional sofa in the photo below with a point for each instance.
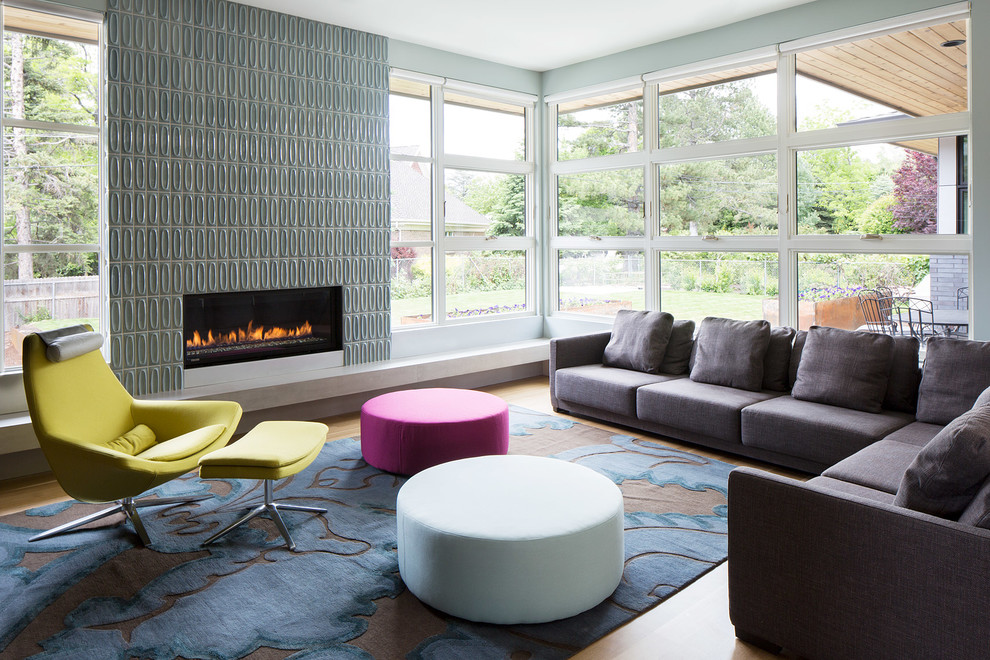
(764, 422)
(886, 554)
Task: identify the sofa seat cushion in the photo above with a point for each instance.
(815, 431)
(852, 489)
(916, 433)
(880, 466)
(712, 410)
(609, 388)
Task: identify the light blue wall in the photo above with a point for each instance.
(412, 57)
(91, 5)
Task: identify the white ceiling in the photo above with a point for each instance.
(532, 34)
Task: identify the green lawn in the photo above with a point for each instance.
(699, 304)
(461, 301)
(682, 304)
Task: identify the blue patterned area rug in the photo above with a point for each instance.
(94, 594)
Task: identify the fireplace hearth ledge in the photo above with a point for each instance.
(469, 368)
(241, 371)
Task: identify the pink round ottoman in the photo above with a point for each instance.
(405, 432)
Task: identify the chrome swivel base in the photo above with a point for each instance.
(272, 508)
(128, 506)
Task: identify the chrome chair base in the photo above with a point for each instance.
(272, 508)
(128, 506)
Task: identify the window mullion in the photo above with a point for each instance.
(33, 124)
(786, 191)
(552, 269)
(480, 164)
(651, 197)
(439, 198)
(44, 247)
(601, 163)
(728, 149)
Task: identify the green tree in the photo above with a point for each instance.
(729, 111)
(878, 218)
(608, 203)
(508, 212)
(836, 186)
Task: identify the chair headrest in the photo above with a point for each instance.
(66, 343)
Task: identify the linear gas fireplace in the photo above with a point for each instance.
(230, 336)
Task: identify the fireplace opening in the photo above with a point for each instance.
(226, 328)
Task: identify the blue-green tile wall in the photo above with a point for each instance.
(247, 149)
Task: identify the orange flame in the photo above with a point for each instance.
(250, 333)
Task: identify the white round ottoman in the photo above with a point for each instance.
(510, 539)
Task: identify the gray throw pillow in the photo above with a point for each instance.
(796, 349)
(639, 340)
(675, 360)
(983, 399)
(904, 377)
(844, 368)
(776, 365)
(977, 512)
(731, 353)
(948, 472)
(956, 371)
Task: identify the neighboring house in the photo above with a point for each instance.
(411, 205)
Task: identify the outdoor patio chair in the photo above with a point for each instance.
(914, 317)
(876, 307)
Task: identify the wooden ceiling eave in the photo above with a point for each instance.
(880, 62)
(869, 83)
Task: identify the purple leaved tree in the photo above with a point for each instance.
(916, 192)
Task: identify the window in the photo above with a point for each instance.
(600, 281)
(51, 122)
(602, 125)
(830, 284)
(725, 105)
(723, 206)
(463, 247)
(600, 205)
(604, 203)
(412, 201)
(738, 285)
(719, 197)
(881, 188)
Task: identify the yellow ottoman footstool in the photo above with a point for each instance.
(270, 451)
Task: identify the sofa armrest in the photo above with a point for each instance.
(831, 575)
(573, 352)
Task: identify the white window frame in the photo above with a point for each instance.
(786, 242)
(629, 160)
(440, 244)
(99, 131)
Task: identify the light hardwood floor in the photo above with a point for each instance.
(691, 625)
